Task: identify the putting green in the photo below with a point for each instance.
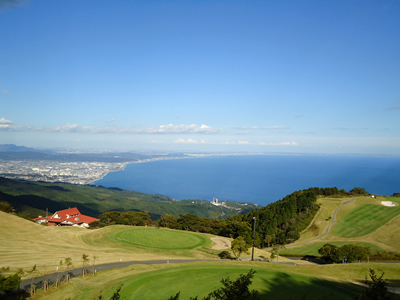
(158, 238)
(200, 280)
(364, 219)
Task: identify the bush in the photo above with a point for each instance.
(225, 255)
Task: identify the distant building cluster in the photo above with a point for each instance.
(53, 171)
(217, 203)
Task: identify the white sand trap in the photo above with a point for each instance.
(388, 203)
(221, 243)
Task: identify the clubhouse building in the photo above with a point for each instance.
(67, 217)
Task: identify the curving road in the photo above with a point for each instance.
(52, 277)
(327, 229)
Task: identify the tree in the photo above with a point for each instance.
(10, 283)
(85, 261)
(268, 239)
(275, 251)
(239, 245)
(60, 265)
(169, 221)
(94, 265)
(6, 207)
(68, 264)
(376, 287)
(330, 253)
(358, 191)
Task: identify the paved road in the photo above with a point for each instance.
(327, 229)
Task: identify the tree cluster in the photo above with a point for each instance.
(347, 253)
(6, 207)
(122, 218)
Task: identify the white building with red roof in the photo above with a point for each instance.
(67, 217)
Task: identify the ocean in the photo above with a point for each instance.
(260, 179)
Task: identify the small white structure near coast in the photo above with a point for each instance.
(388, 203)
(217, 203)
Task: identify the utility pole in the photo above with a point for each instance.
(254, 236)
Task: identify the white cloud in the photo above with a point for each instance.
(242, 132)
(243, 142)
(77, 128)
(183, 141)
(6, 124)
(260, 127)
(279, 144)
(111, 120)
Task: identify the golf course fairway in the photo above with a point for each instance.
(200, 280)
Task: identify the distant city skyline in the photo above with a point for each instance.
(228, 76)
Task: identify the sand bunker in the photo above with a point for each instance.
(221, 243)
(388, 203)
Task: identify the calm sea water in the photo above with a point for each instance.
(260, 179)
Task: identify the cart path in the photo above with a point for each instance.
(327, 229)
(52, 277)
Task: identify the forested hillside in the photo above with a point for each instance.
(277, 223)
(33, 198)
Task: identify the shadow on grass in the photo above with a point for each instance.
(284, 286)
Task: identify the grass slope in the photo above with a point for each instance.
(24, 244)
(364, 219)
(379, 230)
(273, 281)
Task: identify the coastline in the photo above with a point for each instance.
(187, 156)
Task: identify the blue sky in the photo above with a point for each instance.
(231, 76)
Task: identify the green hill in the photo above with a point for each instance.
(363, 222)
(33, 198)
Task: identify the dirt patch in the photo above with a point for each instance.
(221, 243)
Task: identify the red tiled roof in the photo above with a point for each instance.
(41, 218)
(72, 215)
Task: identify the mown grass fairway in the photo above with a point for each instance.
(158, 238)
(201, 280)
(365, 219)
(273, 281)
(312, 249)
